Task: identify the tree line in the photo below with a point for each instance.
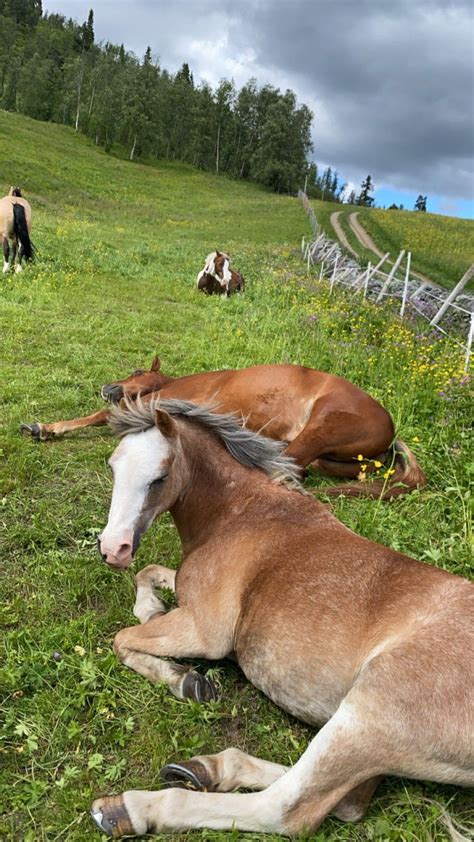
(51, 68)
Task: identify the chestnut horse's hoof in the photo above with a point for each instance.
(191, 774)
(111, 817)
(33, 430)
(198, 688)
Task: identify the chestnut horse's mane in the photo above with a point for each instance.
(250, 449)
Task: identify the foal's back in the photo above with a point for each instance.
(327, 614)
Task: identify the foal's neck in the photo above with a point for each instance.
(215, 482)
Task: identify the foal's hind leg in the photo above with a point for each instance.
(223, 772)
(353, 807)
(232, 769)
(344, 754)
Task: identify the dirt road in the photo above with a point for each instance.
(334, 219)
(365, 240)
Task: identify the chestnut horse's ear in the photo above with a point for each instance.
(155, 366)
(165, 424)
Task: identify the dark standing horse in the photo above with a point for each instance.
(15, 227)
(334, 628)
(217, 278)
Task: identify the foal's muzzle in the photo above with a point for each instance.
(112, 393)
(120, 556)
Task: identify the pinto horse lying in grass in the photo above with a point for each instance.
(217, 278)
(326, 421)
(332, 627)
(15, 227)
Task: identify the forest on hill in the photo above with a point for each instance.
(52, 69)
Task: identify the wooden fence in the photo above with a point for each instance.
(381, 281)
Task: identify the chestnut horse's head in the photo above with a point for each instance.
(139, 383)
(148, 479)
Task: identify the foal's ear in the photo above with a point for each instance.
(155, 366)
(165, 424)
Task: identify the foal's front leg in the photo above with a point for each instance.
(173, 634)
(147, 604)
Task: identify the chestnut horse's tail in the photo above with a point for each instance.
(21, 230)
(407, 476)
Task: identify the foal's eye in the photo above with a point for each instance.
(156, 482)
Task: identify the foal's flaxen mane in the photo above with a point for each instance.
(249, 448)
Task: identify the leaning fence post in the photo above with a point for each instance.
(405, 286)
(367, 276)
(469, 344)
(333, 276)
(390, 276)
(452, 295)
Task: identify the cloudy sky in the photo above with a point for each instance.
(390, 82)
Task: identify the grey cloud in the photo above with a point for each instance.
(393, 80)
(390, 81)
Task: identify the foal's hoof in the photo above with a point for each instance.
(190, 774)
(111, 817)
(33, 430)
(198, 687)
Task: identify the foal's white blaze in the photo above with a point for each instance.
(136, 462)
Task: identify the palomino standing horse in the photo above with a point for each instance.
(326, 421)
(217, 277)
(15, 227)
(332, 627)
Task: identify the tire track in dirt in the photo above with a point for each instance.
(334, 220)
(367, 242)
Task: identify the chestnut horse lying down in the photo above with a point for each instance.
(326, 420)
(217, 278)
(332, 627)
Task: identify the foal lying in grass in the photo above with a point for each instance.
(332, 627)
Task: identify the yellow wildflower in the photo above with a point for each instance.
(359, 457)
(80, 650)
(377, 464)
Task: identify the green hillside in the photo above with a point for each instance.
(119, 247)
(442, 247)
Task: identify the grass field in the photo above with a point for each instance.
(119, 247)
(442, 247)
